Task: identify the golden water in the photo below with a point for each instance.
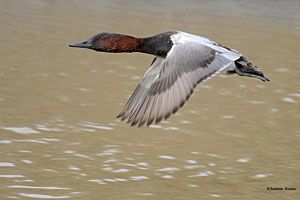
(59, 138)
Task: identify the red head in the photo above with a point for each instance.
(110, 42)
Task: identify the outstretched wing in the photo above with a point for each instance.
(170, 81)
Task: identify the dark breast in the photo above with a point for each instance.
(158, 45)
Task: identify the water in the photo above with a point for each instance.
(59, 138)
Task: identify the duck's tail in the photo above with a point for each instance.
(246, 68)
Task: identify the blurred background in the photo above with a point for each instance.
(59, 138)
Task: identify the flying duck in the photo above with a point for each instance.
(181, 62)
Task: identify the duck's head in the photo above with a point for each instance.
(110, 42)
(93, 42)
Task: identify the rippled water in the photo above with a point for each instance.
(59, 138)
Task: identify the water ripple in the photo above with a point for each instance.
(168, 169)
(5, 141)
(243, 160)
(11, 176)
(167, 177)
(42, 196)
(122, 170)
(37, 187)
(21, 130)
(167, 157)
(138, 178)
(96, 126)
(289, 100)
(202, 174)
(7, 164)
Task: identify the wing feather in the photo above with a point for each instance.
(170, 81)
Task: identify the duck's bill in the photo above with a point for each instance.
(84, 44)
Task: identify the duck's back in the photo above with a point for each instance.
(183, 38)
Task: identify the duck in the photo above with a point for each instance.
(181, 62)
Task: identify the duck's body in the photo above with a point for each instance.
(182, 61)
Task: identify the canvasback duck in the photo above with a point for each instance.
(181, 62)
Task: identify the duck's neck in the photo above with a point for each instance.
(115, 43)
(158, 45)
